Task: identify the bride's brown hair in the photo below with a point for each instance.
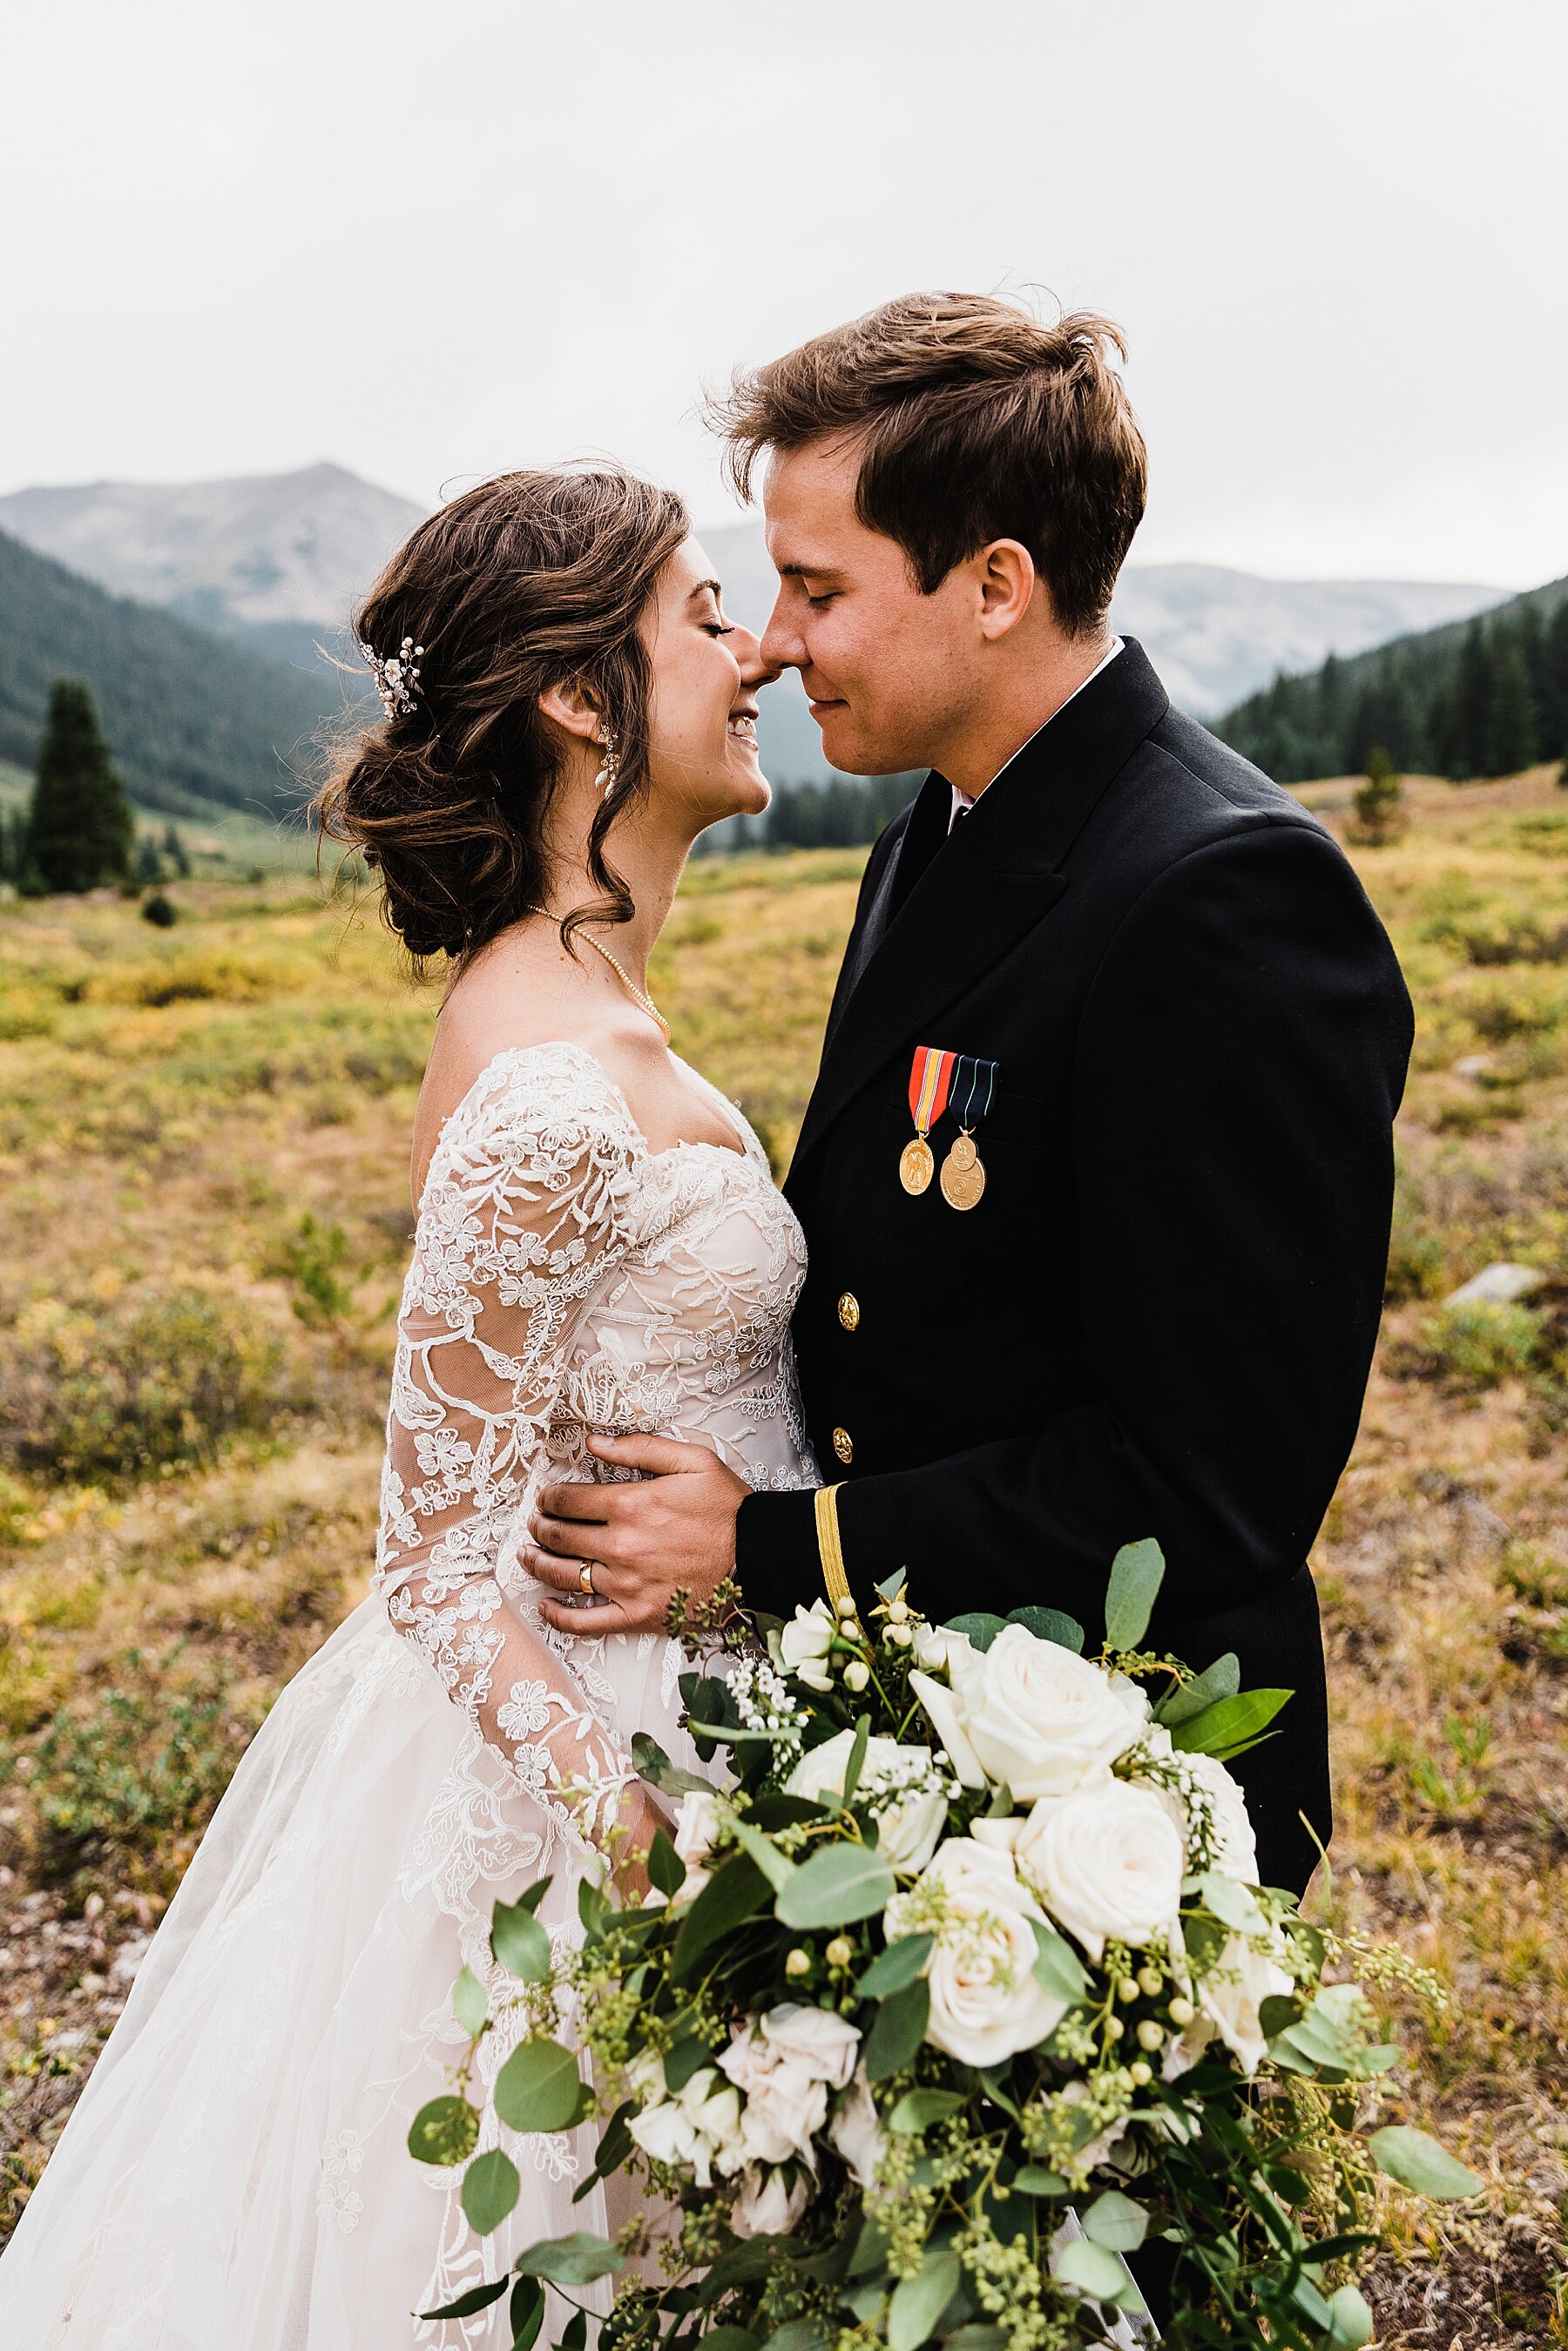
(531, 581)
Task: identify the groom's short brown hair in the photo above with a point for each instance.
(976, 421)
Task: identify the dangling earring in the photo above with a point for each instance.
(609, 775)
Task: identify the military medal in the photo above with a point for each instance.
(929, 1078)
(963, 1172)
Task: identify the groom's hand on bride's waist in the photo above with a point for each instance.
(669, 1532)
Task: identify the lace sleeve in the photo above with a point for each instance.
(523, 1217)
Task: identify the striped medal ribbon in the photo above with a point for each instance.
(929, 1078)
(971, 1090)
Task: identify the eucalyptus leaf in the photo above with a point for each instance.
(897, 2031)
(540, 2089)
(918, 2109)
(469, 2004)
(650, 1762)
(1092, 2270)
(686, 2058)
(891, 1585)
(1221, 1679)
(856, 1763)
(446, 2131)
(577, 2260)
(478, 2297)
(1229, 1902)
(975, 2336)
(1137, 1572)
(1115, 2222)
(799, 2334)
(1418, 2163)
(777, 1867)
(1230, 1724)
(1058, 1969)
(1034, 2179)
(979, 1627)
(840, 1883)
(574, 2334)
(1050, 1625)
(730, 2338)
(1352, 2324)
(526, 2313)
(869, 2253)
(903, 1960)
(919, 2300)
(490, 2189)
(520, 1943)
(733, 1893)
(666, 1870)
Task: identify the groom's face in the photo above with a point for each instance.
(891, 672)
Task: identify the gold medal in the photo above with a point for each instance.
(916, 1166)
(963, 1176)
(928, 1081)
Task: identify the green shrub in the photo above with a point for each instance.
(1474, 1347)
(160, 911)
(119, 1391)
(1415, 1268)
(148, 1764)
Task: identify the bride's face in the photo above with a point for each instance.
(702, 713)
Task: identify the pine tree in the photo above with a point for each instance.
(175, 850)
(79, 824)
(1380, 811)
(1469, 713)
(1511, 736)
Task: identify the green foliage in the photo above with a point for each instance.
(1475, 1346)
(159, 911)
(79, 826)
(193, 719)
(147, 1765)
(123, 1390)
(1379, 802)
(1484, 698)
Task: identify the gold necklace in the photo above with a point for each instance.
(630, 985)
(622, 974)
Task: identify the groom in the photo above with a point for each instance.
(1096, 1175)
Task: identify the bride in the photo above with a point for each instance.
(600, 1248)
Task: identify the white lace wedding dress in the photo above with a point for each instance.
(234, 2177)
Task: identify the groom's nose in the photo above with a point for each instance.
(782, 646)
(756, 668)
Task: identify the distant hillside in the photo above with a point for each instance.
(1484, 698)
(266, 549)
(193, 719)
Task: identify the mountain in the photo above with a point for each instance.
(1486, 697)
(268, 550)
(192, 719)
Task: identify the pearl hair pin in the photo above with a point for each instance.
(397, 676)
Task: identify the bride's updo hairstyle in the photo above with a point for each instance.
(529, 582)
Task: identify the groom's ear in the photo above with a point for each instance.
(569, 708)
(1006, 583)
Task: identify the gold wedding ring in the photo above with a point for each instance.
(585, 1580)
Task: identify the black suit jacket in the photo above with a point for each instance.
(1159, 1319)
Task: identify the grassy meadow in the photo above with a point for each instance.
(203, 1138)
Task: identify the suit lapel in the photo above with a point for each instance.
(984, 889)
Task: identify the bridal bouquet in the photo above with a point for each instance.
(959, 1994)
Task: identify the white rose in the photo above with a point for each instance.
(768, 2205)
(1233, 1992)
(1235, 1843)
(1106, 1862)
(907, 1828)
(696, 1830)
(985, 2004)
(665, 2132)
(946, 1714)
(855, 2132)
(823, 2043)
(936, 1647)
(1040, 1720)
(805, 1643)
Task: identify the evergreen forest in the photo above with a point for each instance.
(1483, 697)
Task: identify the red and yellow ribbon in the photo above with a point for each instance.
(929, 1079)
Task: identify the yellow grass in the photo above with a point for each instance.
(220, 1116)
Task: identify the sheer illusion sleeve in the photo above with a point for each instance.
(524, 1217)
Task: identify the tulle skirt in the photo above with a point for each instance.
(235, 2176)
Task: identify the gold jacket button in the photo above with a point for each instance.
(850, 1310)
(843, 1445)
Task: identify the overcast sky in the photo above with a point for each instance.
(432, 241)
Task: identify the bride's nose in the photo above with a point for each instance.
(748, 652)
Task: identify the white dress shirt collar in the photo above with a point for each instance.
(963, 801)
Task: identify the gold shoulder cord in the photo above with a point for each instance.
(830, 1548)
